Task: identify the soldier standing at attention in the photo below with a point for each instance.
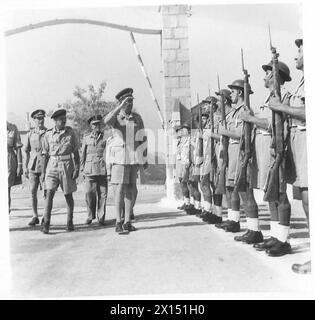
(253, 234)
(60, 143)
(15, 168)
(34, 159)
(94, 170)
(280, 211)
(183, 165)
(128, 150)
(295, 109)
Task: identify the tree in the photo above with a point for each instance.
(88, 102)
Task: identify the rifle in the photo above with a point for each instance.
(276, 184)
(241, 182)
(199, 153)
(224, 142)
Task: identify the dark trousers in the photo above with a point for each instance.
(95, 196)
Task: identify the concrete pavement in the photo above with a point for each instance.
(169, 253)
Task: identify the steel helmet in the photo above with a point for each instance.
(210, 99)
(225, 93)
(239, 84)
(283, 69)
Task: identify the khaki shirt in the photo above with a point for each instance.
(93, 154)
(184, 150)
(60, 143)
(33, 146)
(297, 100)
(129, 143)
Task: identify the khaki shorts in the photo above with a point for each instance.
(124, 174)
(262, 158)
(299, 153)
(60, 173)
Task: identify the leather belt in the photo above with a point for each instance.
(61, 157)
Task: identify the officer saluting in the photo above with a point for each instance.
(127, 152)
(34, 159)
(60, 142)
(94, 170)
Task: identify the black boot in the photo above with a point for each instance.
(233, 227)
(70, 226)
(45, 228)
(255, 237)
(212, 219)
(223, 224)
(33, 222)
(243, 237)
(279, 249)
(182, 207)
(267, 244)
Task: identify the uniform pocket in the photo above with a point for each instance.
(88, 167)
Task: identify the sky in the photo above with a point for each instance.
(44, 66)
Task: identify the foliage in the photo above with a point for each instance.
(88, 102)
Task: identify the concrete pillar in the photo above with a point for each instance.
(175, 52)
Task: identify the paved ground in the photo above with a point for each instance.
(169, 253)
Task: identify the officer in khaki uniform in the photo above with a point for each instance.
(128, 150)
(94, 169)
(34, 159)
(15, 168)
(294, 107)
(61, 166)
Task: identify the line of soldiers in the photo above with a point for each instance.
(228, 131)
(52, 160)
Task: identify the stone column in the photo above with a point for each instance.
(175, 52)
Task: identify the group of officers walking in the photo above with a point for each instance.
(235, 151)
(224, 167)
(53, 159)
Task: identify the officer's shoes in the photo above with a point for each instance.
(189, 209)
(70, 226)
(88, 221)
(33, 222)
(267, 244)
(255, 237)
(243, 237)
(279, 249)
(128, 227)
(119, 228)
(45, 228)
(101, 222)
(223, 224)
(304, 268)
(233, 227)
